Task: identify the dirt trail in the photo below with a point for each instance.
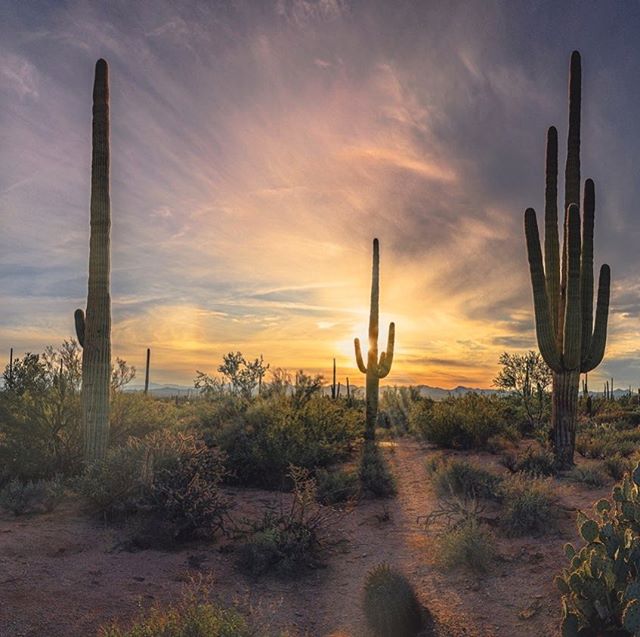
(60, 575)
(516, 599)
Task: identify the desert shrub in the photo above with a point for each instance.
(170, 481)
(534, 462)
(212, 413)
(38, 496)
(40, 435)
(600, 586)
(616, 466)
(528, 505)
(395, 407)
(419, 415)
(338, 486)
(287, 542)
(276, 432)
(40, 414)
(134, 414)
(460, 423)
(605, 440)
(461, 478)
(186, 493)
(277, 544)
(375, 477)
(114, 483)
(499, 443)
(391, 605)
(190, 618)
(588, 446)
(469, 544)
(591, 476)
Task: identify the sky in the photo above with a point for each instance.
(258, 147)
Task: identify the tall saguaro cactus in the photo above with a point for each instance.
(94, 328)
(563, 287)
(376, 368)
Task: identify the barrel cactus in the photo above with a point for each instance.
(93, 328)
(569, 341)
(391, 606)
(375, 369)
(601, 588)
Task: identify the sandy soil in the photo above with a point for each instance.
(62, 575)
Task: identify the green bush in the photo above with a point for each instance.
(41, 496)
(277, 432)
(591, 476)
(528, 505)
(286, 543)
(600, 587)
(395, 407)
(40, 434)
(186, 494)
(391, 605)
(338, 486)
(461, 478)
(469, 544)
(534, 462)
(135, 414)
(190, 618)
(466, 422)
(170, 481)
(616, 466)
(279, 545)
(115, 483)
(375, 477)
(606, 440)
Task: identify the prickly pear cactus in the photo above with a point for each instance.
(601, 588)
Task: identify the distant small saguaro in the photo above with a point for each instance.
(375, 369)
(146, 373)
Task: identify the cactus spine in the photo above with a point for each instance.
(375, 369)
(94, 328)
(563, 292)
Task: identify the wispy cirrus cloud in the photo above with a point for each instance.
(259, 147)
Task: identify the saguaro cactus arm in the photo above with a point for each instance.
(586, 267)
(79, 321)
(551, 243)
(599, 337)
(544, 324)
(386, 358)
(572, 319)
(361, 366)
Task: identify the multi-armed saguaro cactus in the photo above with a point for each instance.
(563, 292)
(94, 329)
(375, 368)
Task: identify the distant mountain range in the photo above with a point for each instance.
(437, 393)
(164, 391)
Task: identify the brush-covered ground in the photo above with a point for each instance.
(64, 573)
(236, 515)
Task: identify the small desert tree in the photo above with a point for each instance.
(242, 376)
(529, 377)
(40, 422)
